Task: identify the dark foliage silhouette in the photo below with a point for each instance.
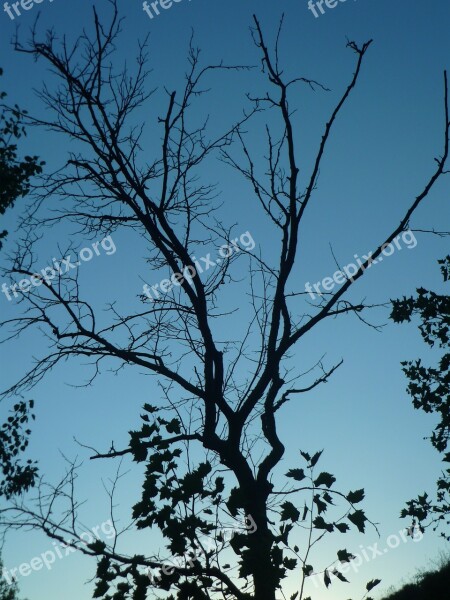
(15, 173)
(429, 388)
(431, 585)
(8, 591)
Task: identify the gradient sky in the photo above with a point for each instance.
(380, 157)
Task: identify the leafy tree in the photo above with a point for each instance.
(429, 388)
(15, 173)
(8, 591)
(211, 444)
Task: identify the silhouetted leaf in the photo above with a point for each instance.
(321, 506)
(339, 575)
(356, 496)
(289, 512)
(290, 563)
(372, 584)
(327, 497)
(345, 556)
(315, 458)
(297, 474)
(358, 518)
(320, 523)
(325, 479)
(305, 512)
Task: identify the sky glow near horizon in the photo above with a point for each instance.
(378, 159)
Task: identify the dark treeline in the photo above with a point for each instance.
(429, 585)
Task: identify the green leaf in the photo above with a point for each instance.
(326, 579)
(342, 527)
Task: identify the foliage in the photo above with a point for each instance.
(433, 584)
(429, 388)
(7, 591)
(13, 441)
(15, 173)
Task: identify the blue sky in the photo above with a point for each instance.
(379, 158)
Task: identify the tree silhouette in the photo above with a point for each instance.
(15, 174)
(14, 441)
(426, 584)
(8, 591)
(429, 388)
(210, 444)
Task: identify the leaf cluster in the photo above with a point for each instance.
(429, 388)
(14, 439)
(15, 172)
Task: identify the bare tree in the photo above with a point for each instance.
(222, 396)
